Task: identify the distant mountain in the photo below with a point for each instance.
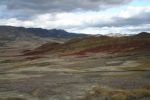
(9, 31)
(32, 37)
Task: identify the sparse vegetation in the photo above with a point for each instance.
(117, 94)
(6, 61)
(10, 61)
(13, 98)
(143, 65)
(65, 70)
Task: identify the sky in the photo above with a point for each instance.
(80, 16)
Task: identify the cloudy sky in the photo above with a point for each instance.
(82, 16)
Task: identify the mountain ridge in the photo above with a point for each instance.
(11, 31)
(11, 36)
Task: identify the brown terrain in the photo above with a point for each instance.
(93, 44)
(87, 68)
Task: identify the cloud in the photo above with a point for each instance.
(128, 19)
(23, 8)
(141, 28)
(135, 16)
(139, 19)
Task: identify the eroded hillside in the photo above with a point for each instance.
(91, 68)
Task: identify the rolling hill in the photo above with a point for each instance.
(95, 44)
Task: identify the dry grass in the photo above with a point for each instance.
(144, 65)
(15, 98)
(103, 93)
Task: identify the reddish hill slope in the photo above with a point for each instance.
(94, 44)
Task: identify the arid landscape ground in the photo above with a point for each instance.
(88, 68)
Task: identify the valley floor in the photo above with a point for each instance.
(100, 76)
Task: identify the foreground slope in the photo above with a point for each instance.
(79, 69)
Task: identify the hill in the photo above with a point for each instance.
(32, 37)
(10, 31)
(95, 44)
